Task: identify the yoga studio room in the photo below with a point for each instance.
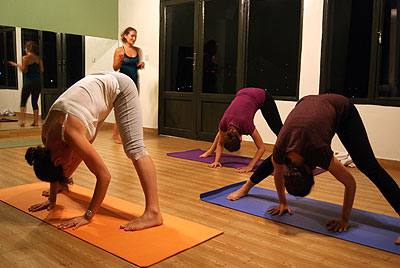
(200, 133)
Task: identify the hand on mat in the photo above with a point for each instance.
(45, 205)
(397, 242)
(74, 222)
(338, 225)
(244, 169)
(215, 165)
(280, 210)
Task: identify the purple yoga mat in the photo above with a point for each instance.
(366, 228)
(227, 160)
(8, 120)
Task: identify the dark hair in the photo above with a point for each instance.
(39, 158)
(127, 31)
(32, 47)
(232, 140)
(298, 181)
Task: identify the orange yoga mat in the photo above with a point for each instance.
(143, 248)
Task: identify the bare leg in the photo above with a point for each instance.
(152, 215)
(35, 118)
(243, 191)
(116, 137)
(23, 115)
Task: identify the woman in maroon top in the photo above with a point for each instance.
(238, 121)
(304, 143)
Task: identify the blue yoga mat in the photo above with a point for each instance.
(366, 228)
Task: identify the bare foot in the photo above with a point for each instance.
(34, 124)
(237, 194)
(243, 191)
(116, 139)
(147, 220)
(46, 193)
(397, 241)
(22, 124)
(206, 154)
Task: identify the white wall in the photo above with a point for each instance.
(144, 16)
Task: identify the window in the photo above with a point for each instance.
(8, 74)
(273, 46)
(360, 55)
(220, 46)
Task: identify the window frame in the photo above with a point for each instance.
(373, 97)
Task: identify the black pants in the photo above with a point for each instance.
(353, 136)
(31, 88)
(271, 115)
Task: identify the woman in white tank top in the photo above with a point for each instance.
(68, 132)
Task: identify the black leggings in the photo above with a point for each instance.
(353, 136)
(271, 115)
(31, 88)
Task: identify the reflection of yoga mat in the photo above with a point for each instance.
(8, 120)
(20, 143)
(142, 248)
(227, 160)
(366, 228)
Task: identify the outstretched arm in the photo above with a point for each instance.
(76, 139)
(339, 171)
(280, 189)
(260, 151)
(219, 150)
(212, 148)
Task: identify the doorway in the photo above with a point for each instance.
(200, 53)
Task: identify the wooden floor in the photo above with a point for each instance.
(248, 241)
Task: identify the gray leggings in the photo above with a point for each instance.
(128, 115)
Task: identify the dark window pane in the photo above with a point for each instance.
(50, 60)
(389, 71)
(273, 46)
(10, 50)
(220, 47)
(350, 48)
(2, 61)
(74, 59)
(179, 48)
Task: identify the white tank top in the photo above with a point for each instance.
(90, 100)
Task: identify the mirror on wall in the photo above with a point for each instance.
(66, 59)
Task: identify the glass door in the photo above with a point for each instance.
(199, 46)
(178, 68)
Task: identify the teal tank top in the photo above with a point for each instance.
(33, 73)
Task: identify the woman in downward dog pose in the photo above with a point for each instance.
(304, 143)
(68, 132)
(238, 121)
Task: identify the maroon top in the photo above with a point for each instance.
(242, 109)
(310, 127)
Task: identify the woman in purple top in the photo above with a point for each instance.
(304, 143)
(238, 121)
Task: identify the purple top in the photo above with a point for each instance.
(310, 127)
(242, 109)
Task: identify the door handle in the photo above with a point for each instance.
(193, 59)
